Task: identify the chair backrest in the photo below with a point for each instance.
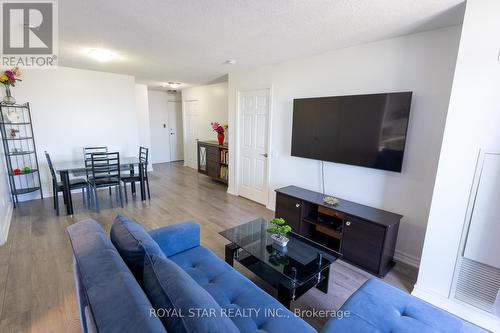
(87, 151)
(144, 155)
(105, 166)
(87, 157)
(51, 167)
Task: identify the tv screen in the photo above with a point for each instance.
(364, 130)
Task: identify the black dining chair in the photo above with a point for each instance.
(87, 153)
(144, 159)
(57, 186)
(105, 172)
(87, 156)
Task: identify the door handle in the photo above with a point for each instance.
(265, 154)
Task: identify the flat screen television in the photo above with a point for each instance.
(363, 130)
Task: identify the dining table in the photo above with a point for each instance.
(77, 167)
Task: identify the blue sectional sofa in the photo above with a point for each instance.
(165, 281)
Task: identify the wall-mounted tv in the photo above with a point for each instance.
(363, 130)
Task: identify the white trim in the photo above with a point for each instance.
(407, 258)
(465, 311)
(4, 233)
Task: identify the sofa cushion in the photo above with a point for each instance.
(178, 237)
(110, 297)
(235, 294)
(379, 307)
(133, 242)
(179, 297)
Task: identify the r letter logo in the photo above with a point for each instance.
(29, 33)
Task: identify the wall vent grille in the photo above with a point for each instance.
(478, 284)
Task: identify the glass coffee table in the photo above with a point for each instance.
(293, 270)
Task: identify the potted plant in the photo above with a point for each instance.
(220, 132)
(279, 231)
(9, 78)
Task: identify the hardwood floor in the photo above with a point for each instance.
(36, 281)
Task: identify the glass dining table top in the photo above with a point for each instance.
(79, 164)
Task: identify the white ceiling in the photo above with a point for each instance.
(188, 40)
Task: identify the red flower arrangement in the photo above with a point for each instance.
(220, 132)
(217, 127)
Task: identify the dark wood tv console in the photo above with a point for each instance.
(366, 236)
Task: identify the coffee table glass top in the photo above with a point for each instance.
(300, 261)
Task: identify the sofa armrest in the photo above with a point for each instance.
(177, 238)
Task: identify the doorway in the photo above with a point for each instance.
(254, 109)
(165, 117)
(175, 128)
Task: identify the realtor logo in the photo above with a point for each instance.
(29, 33)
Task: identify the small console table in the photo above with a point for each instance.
(365, 236)
(213, 160)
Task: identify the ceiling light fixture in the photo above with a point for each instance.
(101, 55)
(174, 85)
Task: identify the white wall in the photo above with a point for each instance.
(422, 63)
(212, 105)
(73, 108)
(142, 111)
(472, 124)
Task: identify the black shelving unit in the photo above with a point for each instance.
(20, 150)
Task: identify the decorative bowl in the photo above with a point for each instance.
(280, 240)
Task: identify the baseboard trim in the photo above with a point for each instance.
(232, 191)
(459, 309)
(4, 233)
(407, 258)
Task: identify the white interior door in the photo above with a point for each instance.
(175, 128)
(254, 118)
(191, 128)
(160, 131)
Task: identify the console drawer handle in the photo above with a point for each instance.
(348, 223)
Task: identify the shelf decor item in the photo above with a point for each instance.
(9, 78)
(279, 231)
(13, 132)
(12, 117)
(226, 132)
(19, 149)
(220, 132)
(331, 201)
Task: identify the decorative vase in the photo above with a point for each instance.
(8, 99)
(220, 137)
(280, 240)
